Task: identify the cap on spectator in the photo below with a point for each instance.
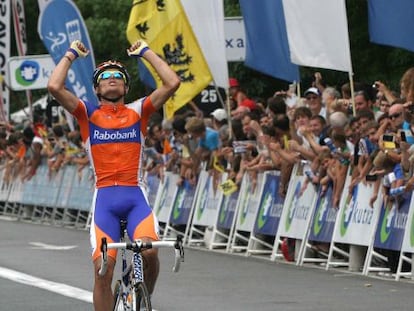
(219, 114)
(312, 90)
(233, 82)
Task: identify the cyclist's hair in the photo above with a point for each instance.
(110, 64)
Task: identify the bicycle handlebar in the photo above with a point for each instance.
(138, 246)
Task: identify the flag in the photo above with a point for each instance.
(5, 13)
(19, 22)
(391, 23)
(169, 34)
(267, 47)
(318, 33)
(207, 21)
(60, 23)
(228, 187)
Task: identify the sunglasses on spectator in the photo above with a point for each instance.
(311, 97)
(395, 115)
(111, 74)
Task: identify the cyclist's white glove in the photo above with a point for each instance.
(78, 49)
(138, 49)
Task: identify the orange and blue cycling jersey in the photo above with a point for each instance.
(112, 136)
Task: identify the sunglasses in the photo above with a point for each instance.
(395, 115)
(111, 74)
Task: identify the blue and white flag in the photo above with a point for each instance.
(392, 23)
(267, 48)
(60, 23)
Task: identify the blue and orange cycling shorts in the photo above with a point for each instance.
(115, 203)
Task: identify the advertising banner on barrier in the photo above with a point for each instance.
(270, 206)
(324, 217)
(392, 222)
(165, 196)
(248, 203)
(207, 201)
(152, 185)
(408, 241)
(182, 204)
(357, 219)
(227, 211)
(297, 209)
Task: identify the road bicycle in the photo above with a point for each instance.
(131, 293)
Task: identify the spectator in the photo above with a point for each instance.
(314, 102)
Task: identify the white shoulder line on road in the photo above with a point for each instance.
(59, 288)
(40, 245)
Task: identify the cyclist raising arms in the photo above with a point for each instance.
(113, 134)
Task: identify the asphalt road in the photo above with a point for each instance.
(48, 268)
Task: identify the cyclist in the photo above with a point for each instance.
(113, 133)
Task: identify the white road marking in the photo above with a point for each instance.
(59, 288)
(40, 245)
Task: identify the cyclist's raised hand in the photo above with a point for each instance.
(138, 49)
(78, 49)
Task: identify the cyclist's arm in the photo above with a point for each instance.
(56, 84)
(170, 80)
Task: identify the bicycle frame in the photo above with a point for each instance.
(133, 280)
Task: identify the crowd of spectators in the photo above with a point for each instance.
(24, 146)
(369, 135)
(366, 133)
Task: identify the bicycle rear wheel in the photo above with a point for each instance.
(142, 298)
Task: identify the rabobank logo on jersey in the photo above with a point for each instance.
(102, 136)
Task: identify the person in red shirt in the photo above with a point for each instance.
(113, 134)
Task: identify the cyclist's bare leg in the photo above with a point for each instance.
(102, 292)
(151, 268)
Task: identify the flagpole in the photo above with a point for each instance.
(351, 84)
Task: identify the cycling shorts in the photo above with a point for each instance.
(115, 203)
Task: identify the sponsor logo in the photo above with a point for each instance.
(102, 136)
(163, 195)
(293, 206)
(202, 203)
(347, 211)
(389, 213)
(178, 203)
(321, 209)
(27, 73)
(245, 203)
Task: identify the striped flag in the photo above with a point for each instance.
(164, 26)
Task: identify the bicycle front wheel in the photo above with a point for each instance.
(118, 301)
(142, 298)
